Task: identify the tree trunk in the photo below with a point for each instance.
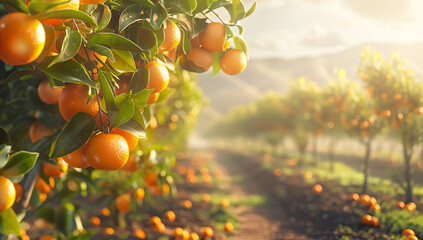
(407, 159)
(366, 169)
(315, 158)
(301, 149)
(331, 154)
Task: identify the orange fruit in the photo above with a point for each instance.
(123, 203)
(131, 165)
(411, 206)
(154, 220)
(185, 235)
(277, 172)
(47, 237)
(42, 186)
(105, 212)
(109, 231)
(228, 227)
(74, 98)
(225, 203)
(139, 233)
(160, 227)
(373, 201)
(365, 199)
(153, 98)
(91, 1)
(201, 58)
(139, 194)
(42, 197)
(38, 131)
(354, 197)
(170, 215)
(172, 37)
(156, 190)
(408, 232)
(48, 94)
(150, 179)
(92, 55)
(51, 182)
(213, 38)
(375, 207)
(367, 220)
(206, 197)
(317, 188)
(374, 222)
(95, 221)
(7, 193)
(77, 158)
(195, 42)
(72, 4)
(18, 190)
(22, 38)
(207, 232)
(233, 62)
(412, 238)
(130, 138)
(55, 171)
(159, 76)
(187, 204)
(194, 236)
(400, 205)
(178, 232)
(107, 151)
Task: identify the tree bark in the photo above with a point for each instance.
(315, 158)
(331, 154)
(407, 152)
(366, 169)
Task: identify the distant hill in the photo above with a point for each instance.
(224, 92)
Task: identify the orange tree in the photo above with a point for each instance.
(397, 97)
(78, 86)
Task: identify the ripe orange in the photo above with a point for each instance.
(317, 188)
(105, 212)
(154, 220)
(95, 221)
(213, 38)
(225, 203)
(51, 182)
(55, 171)
(22, 38)
(170, 215)
(72, 4)
(42, 197)
(408, 232)
(207, 232)
(107, 151)
(42, 186)
(374, 222)
(354, 197)
(159, 76)
(92, 55)
(228, 227)
(139, 194)
(187, 204)
(131, 165)
(18, 190)
(48, 94)
(178, 232)
(38, 131)
(123, 203)
(130, 138)
(150, 179)
(375, 207)
(365, 199)
(153, 98)
(201, 58)
(77, 158)
(47, 237)
(233, 62)
(411, 206)
(74, 98)
(160, 227)
(367, 220)
(412, 238)
(195, 42)
(373, 201)
(7, 193)
(139, 233)
(400, 205)
(172, 37)
(109, 231)
(206, 197)
(194, 236)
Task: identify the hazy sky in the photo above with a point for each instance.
(296, 28)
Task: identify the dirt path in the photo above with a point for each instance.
(260, 222)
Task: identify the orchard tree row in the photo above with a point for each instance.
(387, 100)
(88, 87)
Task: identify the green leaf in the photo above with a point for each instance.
(70, 47)
(164, 95)
(19, 163)
(75, 134)
(124, 61)
(251, 10)
(4, 151)
(130, 15)
(9, 223)
(140, 80)
(126, 111)
(236, 10)
(141, 98)
(134, 127)
(102, 50)
(47, 213)
(216, 62)
(186, 42)
(4, 136)
(68, 71)
(15, 6)
(107, 89)
(228, 32)
(66, 219)
(213, 4)
(18, 74)
(147, 3)
(102, 15)
(41, 6)
(181, 6)
(240, 44)
(157, 16)
(114, 41)
(67, 14)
